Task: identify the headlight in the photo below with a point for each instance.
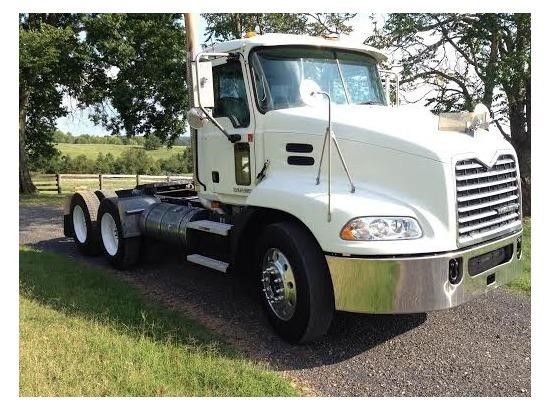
(381, 228)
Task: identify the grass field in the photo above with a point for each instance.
(523, 283)
(42, 199)
(82, 332)
(92, 150)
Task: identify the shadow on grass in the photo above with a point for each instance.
(77, 289)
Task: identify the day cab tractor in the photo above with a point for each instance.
(314, 188)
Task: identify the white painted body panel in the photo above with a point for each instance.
(399, 161)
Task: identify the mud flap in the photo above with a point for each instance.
(67, 221)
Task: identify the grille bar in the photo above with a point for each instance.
(474, 217)
(487, 204)
(485, 184)
(487, 194)
(486, 174)
(489, 223)
(487, 198)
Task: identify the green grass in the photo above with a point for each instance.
(92, 150)
(82, 332)
(523, 282)
(42, 199)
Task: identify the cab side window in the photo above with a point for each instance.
(230, 94)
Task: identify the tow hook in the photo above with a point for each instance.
(455, 272)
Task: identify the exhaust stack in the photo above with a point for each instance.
(192, 51)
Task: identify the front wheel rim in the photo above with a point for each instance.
(109, 234)
(79, 224)
(279, 284)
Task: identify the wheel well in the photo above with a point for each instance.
(247, 229)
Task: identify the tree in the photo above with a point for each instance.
(50, 63)
(137, 79)
(227, 26)
(465, 59)
(152, 143)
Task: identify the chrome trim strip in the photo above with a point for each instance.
(486, 174)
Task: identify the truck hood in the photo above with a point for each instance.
(409, 129)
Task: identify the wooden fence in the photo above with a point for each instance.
(58, 182)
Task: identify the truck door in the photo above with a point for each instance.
(226, 168)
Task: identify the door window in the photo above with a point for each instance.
(230, 94)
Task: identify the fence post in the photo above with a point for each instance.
(58, 182)
(137, 179)
(100, 181)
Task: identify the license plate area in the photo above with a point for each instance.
(486, 261)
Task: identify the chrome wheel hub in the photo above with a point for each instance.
(278, 284)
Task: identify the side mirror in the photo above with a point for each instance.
(196, 118)
(203, 84)
(309, 92)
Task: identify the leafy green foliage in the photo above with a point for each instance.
(131, 161)
(67, 138)
(51, 59)
(129, 68)
(137, 80)
(228, 26)
(152, 142)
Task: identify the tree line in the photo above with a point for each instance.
(152, 142)
(131, 161)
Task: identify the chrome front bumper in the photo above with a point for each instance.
(416, 284)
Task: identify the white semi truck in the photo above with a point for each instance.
(311, 186)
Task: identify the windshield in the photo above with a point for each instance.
(349, 78)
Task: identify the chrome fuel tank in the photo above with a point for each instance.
(168, 222)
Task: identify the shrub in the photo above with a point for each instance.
(105, 164)
(136, 161)
(152, 142)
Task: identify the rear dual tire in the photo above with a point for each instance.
(83, 218)
(122, 253)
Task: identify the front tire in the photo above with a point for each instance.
(295, 283)
(122, 253)
(83, 218)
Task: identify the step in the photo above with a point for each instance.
(211, 263)
(217, 228)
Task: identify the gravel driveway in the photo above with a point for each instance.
(482, 348)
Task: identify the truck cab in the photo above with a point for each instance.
(322, 193)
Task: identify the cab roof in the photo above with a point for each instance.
(277, 39)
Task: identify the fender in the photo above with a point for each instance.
(130, 210)
(308, 203)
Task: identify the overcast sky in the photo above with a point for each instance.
(77, 121)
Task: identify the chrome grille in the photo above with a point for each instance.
(488, 199)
